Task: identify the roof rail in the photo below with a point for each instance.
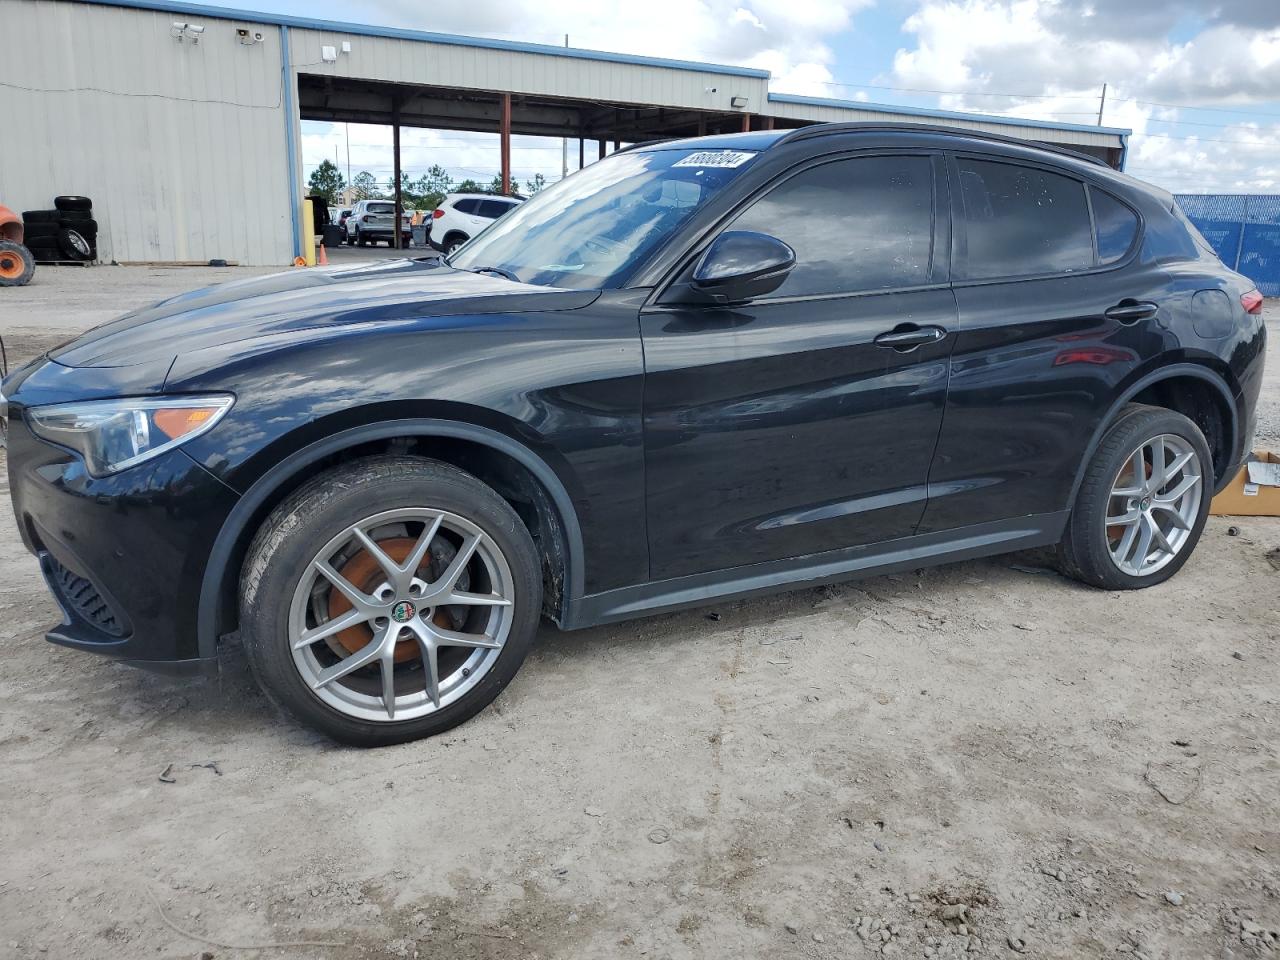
(866, 126)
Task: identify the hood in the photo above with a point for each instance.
(301, 300)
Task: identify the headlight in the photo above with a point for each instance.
(114, 434)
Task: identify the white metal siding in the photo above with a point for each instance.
(1045, 134)
(180, 146)
(440, 64)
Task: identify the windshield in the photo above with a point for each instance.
(592, 229)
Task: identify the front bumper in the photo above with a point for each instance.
(123, 556)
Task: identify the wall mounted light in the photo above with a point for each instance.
(738, 102)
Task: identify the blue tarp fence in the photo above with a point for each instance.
(1245, 231)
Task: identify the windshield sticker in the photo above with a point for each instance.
(724, 159)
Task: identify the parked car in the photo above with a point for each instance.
(692, 371)
(460, 216)
(371, 221)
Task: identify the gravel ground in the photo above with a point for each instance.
(982, 758)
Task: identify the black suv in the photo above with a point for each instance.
(693, 370)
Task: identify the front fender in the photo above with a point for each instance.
(230, 540)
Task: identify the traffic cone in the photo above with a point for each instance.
(323, 261)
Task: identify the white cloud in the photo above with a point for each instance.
(1048, 59)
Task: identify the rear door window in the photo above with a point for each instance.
(1022, 221)
(856, 225)
(467, 205)
(1115, 224)
(493, 209)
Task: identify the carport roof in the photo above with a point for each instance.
(927, 112)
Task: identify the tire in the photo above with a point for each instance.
(387, 495)
(37, 230)
(81, 220)
(74, 245)
(41, 216)
(73, 203)
(1090, 546)
(17, 265)
(360, 238)
(453, 242)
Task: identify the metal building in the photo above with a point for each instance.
(183, 122)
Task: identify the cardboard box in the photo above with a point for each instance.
(1254, 491)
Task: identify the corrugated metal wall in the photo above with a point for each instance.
(181, 146)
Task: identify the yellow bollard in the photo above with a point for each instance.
(308, 219)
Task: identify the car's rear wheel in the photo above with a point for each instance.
(452, 243)
(1143, 502)
(360, 238)
(389, 599)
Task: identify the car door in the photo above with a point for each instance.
(468, 209)
(1055, 310)
(790, 425)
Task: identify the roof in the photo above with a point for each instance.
(396, 33)
(943, 114)
(182, 8)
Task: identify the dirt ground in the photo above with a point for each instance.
(982, 758)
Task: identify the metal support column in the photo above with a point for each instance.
(504, 132)
(746, 123)
(395, 162)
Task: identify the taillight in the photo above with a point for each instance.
(1252, 302)
(437, 213)
(366, 218)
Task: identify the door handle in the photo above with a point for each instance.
(907, 336)
(1131, 311)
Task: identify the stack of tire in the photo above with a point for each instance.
(67, 232)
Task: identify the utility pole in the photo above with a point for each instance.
(348, 126)
(1102, 104)
(564, 141)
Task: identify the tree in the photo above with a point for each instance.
(410, 198)
(432, 186)
(365, 187)
(537, 183)
(495, 186)
(326, 180)
(469, 186)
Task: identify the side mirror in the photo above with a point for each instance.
(741, 265)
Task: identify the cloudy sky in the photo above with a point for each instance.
(1198, 81)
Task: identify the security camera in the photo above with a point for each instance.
(257, 36)
(194, 32)
(248, 38)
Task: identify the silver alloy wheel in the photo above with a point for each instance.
(418, 631)
(1154, 503)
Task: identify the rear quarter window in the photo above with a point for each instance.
(1115, 224)
(467, 205)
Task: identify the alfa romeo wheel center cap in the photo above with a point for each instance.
(403, 612)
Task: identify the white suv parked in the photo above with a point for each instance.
(461, 216)
(371, 220)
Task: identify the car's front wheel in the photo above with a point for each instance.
(389, 599)
(1143, 502)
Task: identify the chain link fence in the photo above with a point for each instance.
(1245, 231)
